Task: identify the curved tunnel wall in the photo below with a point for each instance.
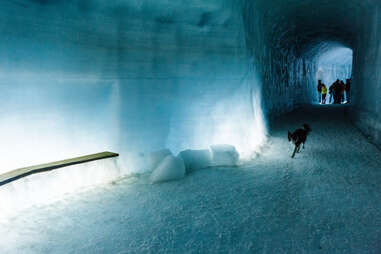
(367, 75)
(137, 76)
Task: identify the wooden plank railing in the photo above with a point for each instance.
(23, 172)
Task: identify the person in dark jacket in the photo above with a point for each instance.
(342, 91)
(319, 86)
(336, 91)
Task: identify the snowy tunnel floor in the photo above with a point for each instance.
(326, 200)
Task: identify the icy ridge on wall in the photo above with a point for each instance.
(286, 76)
(367, 75)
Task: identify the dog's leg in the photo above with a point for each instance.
(298, 151)
(293, 154)
(303, 145)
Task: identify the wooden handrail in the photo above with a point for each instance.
(23, 172)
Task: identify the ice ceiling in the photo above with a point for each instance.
(303, 24)
(134, 77)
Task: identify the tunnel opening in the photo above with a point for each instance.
(333, 64)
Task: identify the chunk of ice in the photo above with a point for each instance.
(155, 158)
(224, 155)
(171, 168)
(196, 159)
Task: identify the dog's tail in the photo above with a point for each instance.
(306, 127)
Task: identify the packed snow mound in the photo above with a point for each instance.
(171, 168)
(224, 155)
(196, 159)
(155, 158)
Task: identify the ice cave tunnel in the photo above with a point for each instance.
(200, 92)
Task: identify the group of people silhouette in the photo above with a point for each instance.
(336, 92)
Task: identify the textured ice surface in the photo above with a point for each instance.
(325, 200)
(155, 158)
(126, 76)
(224, 155)
(170, 168)
(196, 159)
(367, 77)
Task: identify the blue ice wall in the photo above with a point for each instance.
(132, 77)
(46, 119)
(188, 81)
(286, 74)
(57, 100)
(367, 75)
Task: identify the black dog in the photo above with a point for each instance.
(298, 137)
